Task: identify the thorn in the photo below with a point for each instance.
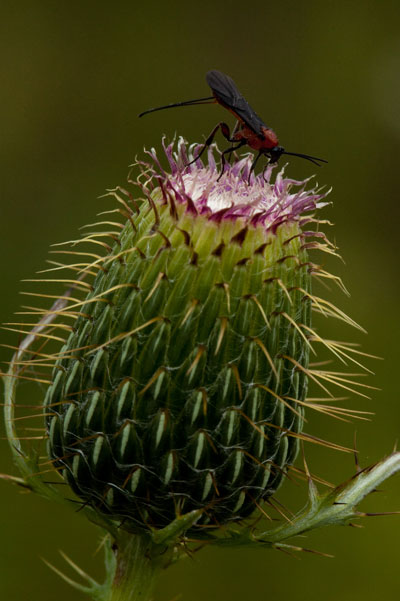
(280, 511)
(201, 350)
(358, 469)
(237, 379)
(328, 555)
(126, 334)
(77, 569)
(73, 583)
(224, 322)
(282, 400)
(259, 306)
(369, 514)
(268, 356)
(161, 276)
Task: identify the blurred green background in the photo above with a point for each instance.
(325, 76)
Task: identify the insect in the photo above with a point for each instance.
(250, 130)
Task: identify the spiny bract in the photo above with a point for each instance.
(183, 381)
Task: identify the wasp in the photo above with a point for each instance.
(250, 130)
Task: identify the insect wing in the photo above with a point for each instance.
(226, 92)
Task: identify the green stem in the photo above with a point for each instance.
(339, 506)
(139, 563)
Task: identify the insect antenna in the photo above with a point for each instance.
(207, 100)
(306, 156)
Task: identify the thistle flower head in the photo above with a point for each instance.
(235, 193)
(182, 383)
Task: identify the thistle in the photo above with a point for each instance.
(175, 405)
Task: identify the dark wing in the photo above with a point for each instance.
(225, 90)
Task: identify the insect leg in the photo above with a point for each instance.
(229, 151)
(254, 163)
(232, 138)
(225, 132)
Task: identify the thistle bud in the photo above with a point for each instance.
(182, 384)
(174, 404)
